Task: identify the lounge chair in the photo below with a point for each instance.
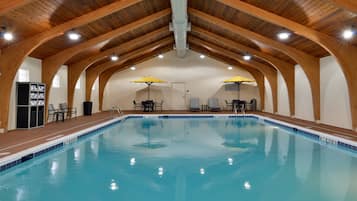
(137, 106)
(194, 104)
(213, 105)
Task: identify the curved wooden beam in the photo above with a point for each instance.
(269, 72)
(258, 76)
(309, 64)
(106, 75)
(286, 69)
(93, 71)
(51, 64)
(345, 54)
(9, 5)
(12, 56)
(350, 5)
(75, 69)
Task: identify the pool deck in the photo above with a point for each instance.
(19, 140)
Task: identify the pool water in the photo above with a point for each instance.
(191, 159)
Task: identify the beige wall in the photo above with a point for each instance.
(335, 103)
(201, 78)
(303, 97)
(95, 96)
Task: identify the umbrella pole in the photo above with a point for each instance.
(149, 91)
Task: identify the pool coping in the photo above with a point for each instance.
(27, 154)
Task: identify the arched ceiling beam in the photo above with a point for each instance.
(12, 56)
(50, 65)
(286, 69)
(309, 64)
(269, 72)
(350, 5)
(9, 5)
(106, 75)
(258, 76)
(93, 71)
(345, 53)
(75, 69)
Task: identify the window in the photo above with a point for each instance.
(56, 82)
(24, 75)
(93, 87)
(78, 84)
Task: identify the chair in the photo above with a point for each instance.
(69, 111)
(194, 104)
(51, 112)
(158, 105)
(229, 105)
(137, 106)
(213, 105)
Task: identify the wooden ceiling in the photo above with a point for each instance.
(32, 17)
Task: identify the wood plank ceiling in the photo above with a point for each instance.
(41, 15)
(32, 21)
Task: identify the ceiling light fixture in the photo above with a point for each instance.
(7, 35)
(247, 57)
(230, 68)
(348, 34)
(114, 57)
(72, 35)
(284, 35)
(202, 56)
(160, 56)
(132, 68)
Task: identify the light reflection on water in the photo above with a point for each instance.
(187, 159)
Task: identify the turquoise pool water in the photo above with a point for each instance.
(191, 159)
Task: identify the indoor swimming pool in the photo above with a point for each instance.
(175, 158)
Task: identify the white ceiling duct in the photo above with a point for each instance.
(179, 25)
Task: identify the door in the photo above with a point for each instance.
(178, 96)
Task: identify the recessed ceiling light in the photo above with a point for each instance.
(230, 68)
(132, 68)
(202, 56)
(8, 36)
(284, 35)
(114, 58)
(247, 57)
(72, 35)
(348, 34)
(160, 56)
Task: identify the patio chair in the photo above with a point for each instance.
(137, 106)
(158, 105)
(51, 112)
(229, 105)
(67, 110)
(194, 104)
(213, 105)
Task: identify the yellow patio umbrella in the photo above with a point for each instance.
(238, 80)
(149, 80)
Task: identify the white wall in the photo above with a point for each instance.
(268, 107)
(34, 67)
(59, 95)
(303, 97)
(283, 96)
(335, 103)
(80, 94)
(202, 78)
(95, 96)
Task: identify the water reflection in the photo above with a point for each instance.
(265, 164)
